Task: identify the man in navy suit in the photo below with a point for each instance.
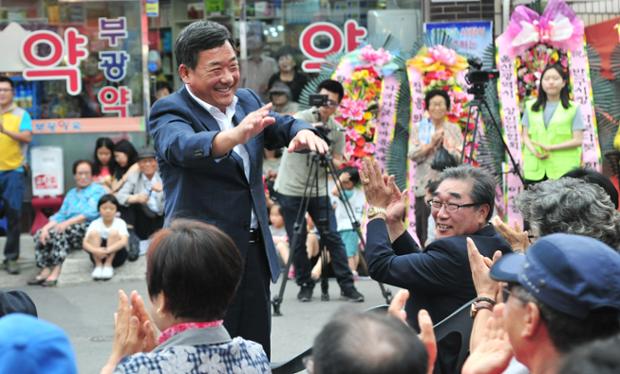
(438, 278)
(209, 139)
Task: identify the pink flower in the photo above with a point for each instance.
(529, 78)
(348, 148)
(352, 109)
(352, 134)
(378, 57)
(442, 54)
(369, 148)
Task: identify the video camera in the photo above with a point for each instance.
(477, 77)
(321, 129)
(318, 100)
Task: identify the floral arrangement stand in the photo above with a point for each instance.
(529, 44)
(436, 67)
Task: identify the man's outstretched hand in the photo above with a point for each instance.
(308, 140)
(253, 124)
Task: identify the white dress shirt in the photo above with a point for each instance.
(225, 122)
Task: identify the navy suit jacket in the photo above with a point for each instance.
(216, 191)
(438, 278)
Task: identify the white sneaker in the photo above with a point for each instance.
(107, 272)
(97, 273)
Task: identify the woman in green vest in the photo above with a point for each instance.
(552, 129)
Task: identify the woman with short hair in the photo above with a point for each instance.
(428, 137)
(193, 270)
(66, 229)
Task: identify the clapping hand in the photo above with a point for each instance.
(480, 267)
(427, 335)
(379, 190)
(517, 238)
(133, 330)
(437, 138)
(494, 352)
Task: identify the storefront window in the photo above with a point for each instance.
(74, 60)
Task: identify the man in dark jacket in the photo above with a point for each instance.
(209, 138)
(438, 278)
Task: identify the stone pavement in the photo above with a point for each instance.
(75, 270)
(85, 308)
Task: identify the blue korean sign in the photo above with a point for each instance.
(468, 38)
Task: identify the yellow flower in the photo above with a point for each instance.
(367, 116)
(360, 129)
(359, 75)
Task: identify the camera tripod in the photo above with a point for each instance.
(326, 163)
(479, 102)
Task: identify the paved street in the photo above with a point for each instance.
(84, 309)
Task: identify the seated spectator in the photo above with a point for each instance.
(571, 206)
(16, 302)
(439, 277)
(367, 343)
(106, 239)
(66, 229)
(126, 158)
(142, 196)
(193, 270)
(32, 346)
(563, 292)
(104, 165)
(593, 176)
(280, 97)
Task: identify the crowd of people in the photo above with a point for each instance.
(245, 194)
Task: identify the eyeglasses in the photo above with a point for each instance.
(331, 104)
(507, 292)
(450, 207)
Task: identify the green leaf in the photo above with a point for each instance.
(607, 129)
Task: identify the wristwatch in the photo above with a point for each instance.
(374, 212)
(481, 303)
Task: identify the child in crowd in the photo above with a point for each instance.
(104, 165)
(278, 232)
(352, 193)
(126, 158)
(106, 239)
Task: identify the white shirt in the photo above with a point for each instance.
(224, 121)
(154, 197)
(357, 202)
(104, 231)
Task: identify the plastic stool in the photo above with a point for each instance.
(38, 204)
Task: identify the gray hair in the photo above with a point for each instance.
(483, 184)
(571, 206)
(567, 332)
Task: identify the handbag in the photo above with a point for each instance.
(443, 159)
(133, 250)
